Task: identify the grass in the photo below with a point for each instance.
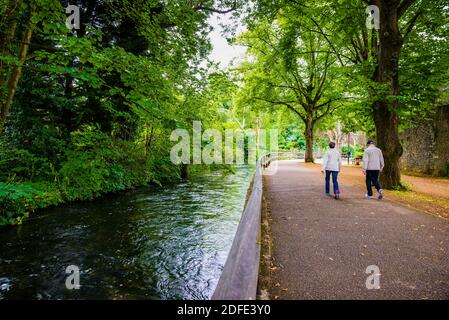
(430, 204)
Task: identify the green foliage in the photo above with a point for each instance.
(356, 151)
(15, 202)
(98, 164)
(94, 164)
(292, 138)
(20, 165)
(95, 107)
(402, 186)
(321, 144)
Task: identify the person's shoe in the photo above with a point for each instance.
(337, 196)
(369, 197)
(328, 195)
(381, 194)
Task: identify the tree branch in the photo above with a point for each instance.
(200, 7)
(287, 104)
(328, 41)
(282, 86)
(403, 7)
(325, 51)
(328, 111)
(411, 24)
(323, 80)
(323, 104)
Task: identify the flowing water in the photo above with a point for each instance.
(149, 243)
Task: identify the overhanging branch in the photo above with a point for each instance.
(412, 22)
(284, 103)
(403, 7)
(200, 7)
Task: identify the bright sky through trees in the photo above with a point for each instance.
(222, 52)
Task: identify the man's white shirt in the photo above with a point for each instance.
(373, 158)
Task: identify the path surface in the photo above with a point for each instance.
(432, 186)
(322, 247)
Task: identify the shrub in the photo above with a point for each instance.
(82, 176)
(402, 186)
(15, 202)
(94, 164)
(356, 151)
(21, 165)
(98, 164)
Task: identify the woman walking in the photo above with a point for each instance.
(331, 167)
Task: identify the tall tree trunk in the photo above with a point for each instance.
(308, 134)
(385, 111)
(67, 114)
(184, 171)
(148, 138)
(15, 75)
(7, 32)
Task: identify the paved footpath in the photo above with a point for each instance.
(322, 246)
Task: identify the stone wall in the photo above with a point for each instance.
(442, 141)
(426, 147)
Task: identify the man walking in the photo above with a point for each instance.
(373, 164)
(332, 165)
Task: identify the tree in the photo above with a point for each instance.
(376, 56)
(293, 68)
(381, 52)
(17, 27)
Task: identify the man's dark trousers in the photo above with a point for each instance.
(372, 177)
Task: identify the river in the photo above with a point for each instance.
(150, 243)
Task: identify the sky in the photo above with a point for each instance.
(222, 52)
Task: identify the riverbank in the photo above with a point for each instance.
(84, 166)
(19, 200)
